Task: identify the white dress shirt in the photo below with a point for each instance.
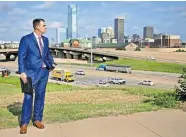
(37, 38)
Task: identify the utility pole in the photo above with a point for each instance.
(161, 41)
(91, 55)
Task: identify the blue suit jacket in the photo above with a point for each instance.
(29, 56)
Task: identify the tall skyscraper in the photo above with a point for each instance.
(61, 35)
(58, 30)
(110, 31)
(100, 31)
(119, 29)
(72, 21)
(148, 32)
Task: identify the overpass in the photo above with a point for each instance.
(70, 53)
(9, 52)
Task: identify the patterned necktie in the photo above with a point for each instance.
(40, 45)
(41, 50)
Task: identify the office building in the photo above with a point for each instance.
(58, 35)
(100, 31)
(119, 29)
(109, 30)
(72, 22)
(167, 41)
(148, 32)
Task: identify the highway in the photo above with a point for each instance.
(161, 80)
(92, 77)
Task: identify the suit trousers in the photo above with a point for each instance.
(40, 88)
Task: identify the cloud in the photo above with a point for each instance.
(3, 30)
(45, 5)
(124, 15)
(17, 11)
(135, 28)
(26, 25)
(55, 24)
(4, 25)
(6, 6)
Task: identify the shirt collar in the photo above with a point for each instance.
(36, 35)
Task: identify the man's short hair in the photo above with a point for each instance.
(37, 21)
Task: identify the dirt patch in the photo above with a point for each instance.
(6, 100)
(93, 97)
(83, 96)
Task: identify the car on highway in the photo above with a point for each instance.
(3, 69)
(5, 72)
(103, 84)
(151, 58)
(117, 81)
(80, 72)
(147, 82)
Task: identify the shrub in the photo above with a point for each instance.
(181, 89)
(137, 49)
(179, 50)
(122, 48)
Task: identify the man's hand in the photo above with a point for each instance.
(50, 70)
(24, 77)
(53, 67)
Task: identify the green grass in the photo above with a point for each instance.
(84, 102)
(71, 112)
(138, 64)
(51, 87)
(149, 65)
(11, 85)
(12, 80)
(158, 97)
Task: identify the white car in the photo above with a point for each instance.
(151, 58)
(117, 81)
(80, 72)
(103, 84)
(2, 69)
(147, 82)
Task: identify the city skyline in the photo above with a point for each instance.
(16, 17)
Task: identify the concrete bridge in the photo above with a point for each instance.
(69, 53)
(9, 52)
(76, 53)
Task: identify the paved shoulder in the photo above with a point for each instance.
(164, 123)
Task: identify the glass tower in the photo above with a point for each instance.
(72, 21)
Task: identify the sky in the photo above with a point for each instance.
(166, 17)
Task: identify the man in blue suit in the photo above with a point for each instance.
(35, 61)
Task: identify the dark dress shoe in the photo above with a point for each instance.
(38, 124)
(23, 129)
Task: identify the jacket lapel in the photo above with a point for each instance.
(45, 45)
(35, 42)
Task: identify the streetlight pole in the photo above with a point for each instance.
(161, 41)
(91, 54)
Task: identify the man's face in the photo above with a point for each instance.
(42, 27)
